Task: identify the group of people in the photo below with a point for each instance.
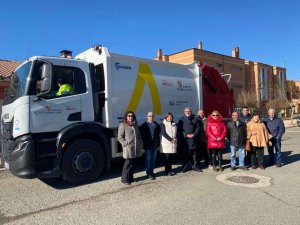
(196, 137)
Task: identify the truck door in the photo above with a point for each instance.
(62, 106)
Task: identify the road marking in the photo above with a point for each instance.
(292, 131)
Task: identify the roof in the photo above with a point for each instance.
(7, 67)
(202, 51)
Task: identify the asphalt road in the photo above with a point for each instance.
(189, 198)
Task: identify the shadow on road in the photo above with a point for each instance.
(288, 157)
(114, 172)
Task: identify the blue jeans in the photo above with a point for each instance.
(277, 144)
(150, 158)
(241, 151)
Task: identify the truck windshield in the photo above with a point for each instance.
(18, 82)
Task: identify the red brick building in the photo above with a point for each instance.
(6, 68)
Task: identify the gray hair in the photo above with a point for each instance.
(150, 113)
(272, 109)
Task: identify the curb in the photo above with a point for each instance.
(290, 126)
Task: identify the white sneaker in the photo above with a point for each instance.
(210, 167)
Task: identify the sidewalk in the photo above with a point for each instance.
(287, 123)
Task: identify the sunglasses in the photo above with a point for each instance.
(129, 115)
(150, 116)
(215, 115)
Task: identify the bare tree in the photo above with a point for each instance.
(277, 99)
(292, 92)
(247, 98)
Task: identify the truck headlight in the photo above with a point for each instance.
(21, 145)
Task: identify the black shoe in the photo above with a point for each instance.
(171, 174)
(232, 168)
(126, 183)
(185, 168)
(278, 165)
(195, 168)
(261, 167)
(151, 177)
(270, 164)
(244, 168)
(221, 168)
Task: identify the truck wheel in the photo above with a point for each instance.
(83, 161)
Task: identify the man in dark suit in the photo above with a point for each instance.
(188, 130)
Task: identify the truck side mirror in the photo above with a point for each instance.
(46, 79)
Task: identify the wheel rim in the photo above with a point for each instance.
(83, 162)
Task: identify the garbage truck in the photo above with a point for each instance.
(74, 135)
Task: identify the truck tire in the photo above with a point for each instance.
(1, 156)
(1, 161)
(83, 161)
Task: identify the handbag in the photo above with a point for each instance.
(247, 146)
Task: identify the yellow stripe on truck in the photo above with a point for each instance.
(145, 75)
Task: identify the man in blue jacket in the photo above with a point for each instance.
(275, 127)
(245, 115)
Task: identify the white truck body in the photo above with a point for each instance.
(173, 87)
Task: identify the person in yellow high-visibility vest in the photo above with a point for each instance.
(64, 89)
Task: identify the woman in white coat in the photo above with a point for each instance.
(168, 141)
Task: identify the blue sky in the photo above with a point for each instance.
(265, 31)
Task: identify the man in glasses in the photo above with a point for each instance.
(150, 133)
(188, 130)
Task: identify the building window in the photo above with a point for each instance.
(263, 84)
(280, 84)
(236, 68)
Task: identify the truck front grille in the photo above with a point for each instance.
(6, 139)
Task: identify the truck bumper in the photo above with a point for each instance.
(19, 157)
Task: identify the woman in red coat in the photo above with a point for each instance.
(216, 132)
